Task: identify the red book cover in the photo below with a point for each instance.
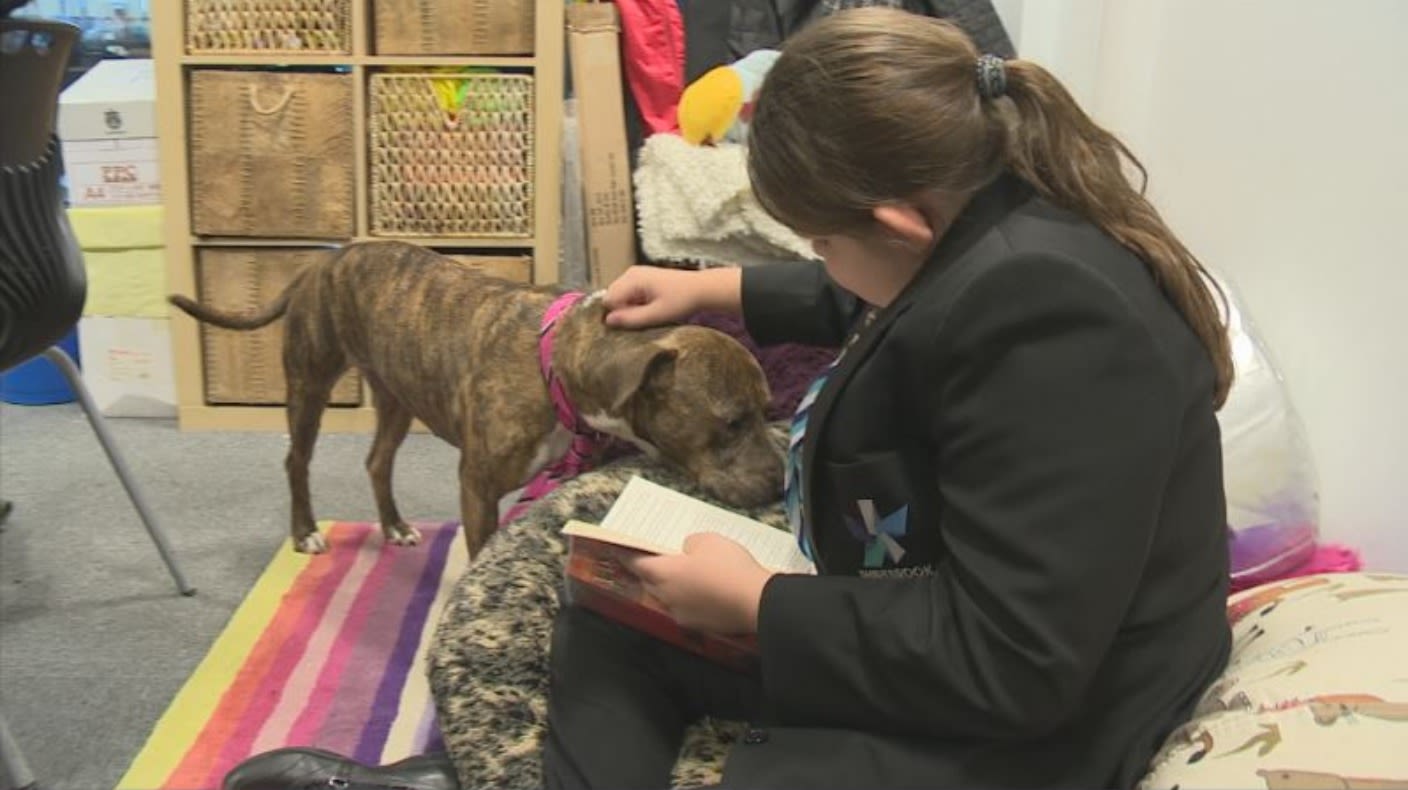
(597, 581)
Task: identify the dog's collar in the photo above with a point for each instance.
(585, 442)
(547, 336)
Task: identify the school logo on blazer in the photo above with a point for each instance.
(880, 534)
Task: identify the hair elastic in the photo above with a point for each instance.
(992, 76)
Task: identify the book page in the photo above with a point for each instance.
(581, 529)
(652, 517)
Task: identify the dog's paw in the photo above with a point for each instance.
(401, 534)
(311, 544)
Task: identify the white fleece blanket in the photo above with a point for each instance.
(694, 204)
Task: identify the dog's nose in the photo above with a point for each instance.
(747, 480)
(750, 492)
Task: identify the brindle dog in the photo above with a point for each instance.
(458, 350)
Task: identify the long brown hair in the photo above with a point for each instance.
(873, 105)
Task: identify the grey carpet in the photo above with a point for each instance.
(94, 640)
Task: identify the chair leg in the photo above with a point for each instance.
(75, 380)
(14, 771)
(5, 507)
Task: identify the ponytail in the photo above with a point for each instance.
(1054, 146)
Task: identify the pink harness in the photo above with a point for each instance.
(585, 441)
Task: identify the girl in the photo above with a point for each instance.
(1010, 480)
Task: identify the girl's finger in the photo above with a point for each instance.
(702, 540)
(649, 568)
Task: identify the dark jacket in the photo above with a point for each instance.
(1046, 417)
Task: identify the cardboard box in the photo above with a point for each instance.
(107, 125)
(124, 259)
(593, 42)
(115, 100)
(127, 365)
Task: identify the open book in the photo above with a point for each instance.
(651, 519)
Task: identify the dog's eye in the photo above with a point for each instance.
(737, 424)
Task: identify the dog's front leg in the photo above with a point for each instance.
(479, 508)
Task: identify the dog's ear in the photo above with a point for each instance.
(631, 373)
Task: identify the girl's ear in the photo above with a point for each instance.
(906, 222)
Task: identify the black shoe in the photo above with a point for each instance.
(310, 769)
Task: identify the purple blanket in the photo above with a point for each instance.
(790, 368)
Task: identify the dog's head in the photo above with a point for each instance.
(696, 397)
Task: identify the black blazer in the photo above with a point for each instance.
(1032, 422)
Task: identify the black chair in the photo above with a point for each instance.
(42, 280)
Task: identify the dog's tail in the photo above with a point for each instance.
(266, 315)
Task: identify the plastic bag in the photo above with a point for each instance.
(1273, 501)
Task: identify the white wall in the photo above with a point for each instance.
(1276, 137)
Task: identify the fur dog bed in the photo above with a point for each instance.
(695, 204)
(488, 661)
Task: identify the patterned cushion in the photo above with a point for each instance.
(1315, 693)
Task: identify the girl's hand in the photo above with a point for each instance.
(715, 585)
(646, 296)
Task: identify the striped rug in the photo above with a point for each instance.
(325, 651)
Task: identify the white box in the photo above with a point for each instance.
(107, 124)
(127, 365)
(116, 99)
(112, 172)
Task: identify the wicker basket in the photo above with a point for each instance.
(271, 154)
(517, 268)
(267, 26)
(247, 367)
(463, 174)
(454, 27)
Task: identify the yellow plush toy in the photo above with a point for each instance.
(718, 106)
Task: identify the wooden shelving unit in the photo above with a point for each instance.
(173, 65)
